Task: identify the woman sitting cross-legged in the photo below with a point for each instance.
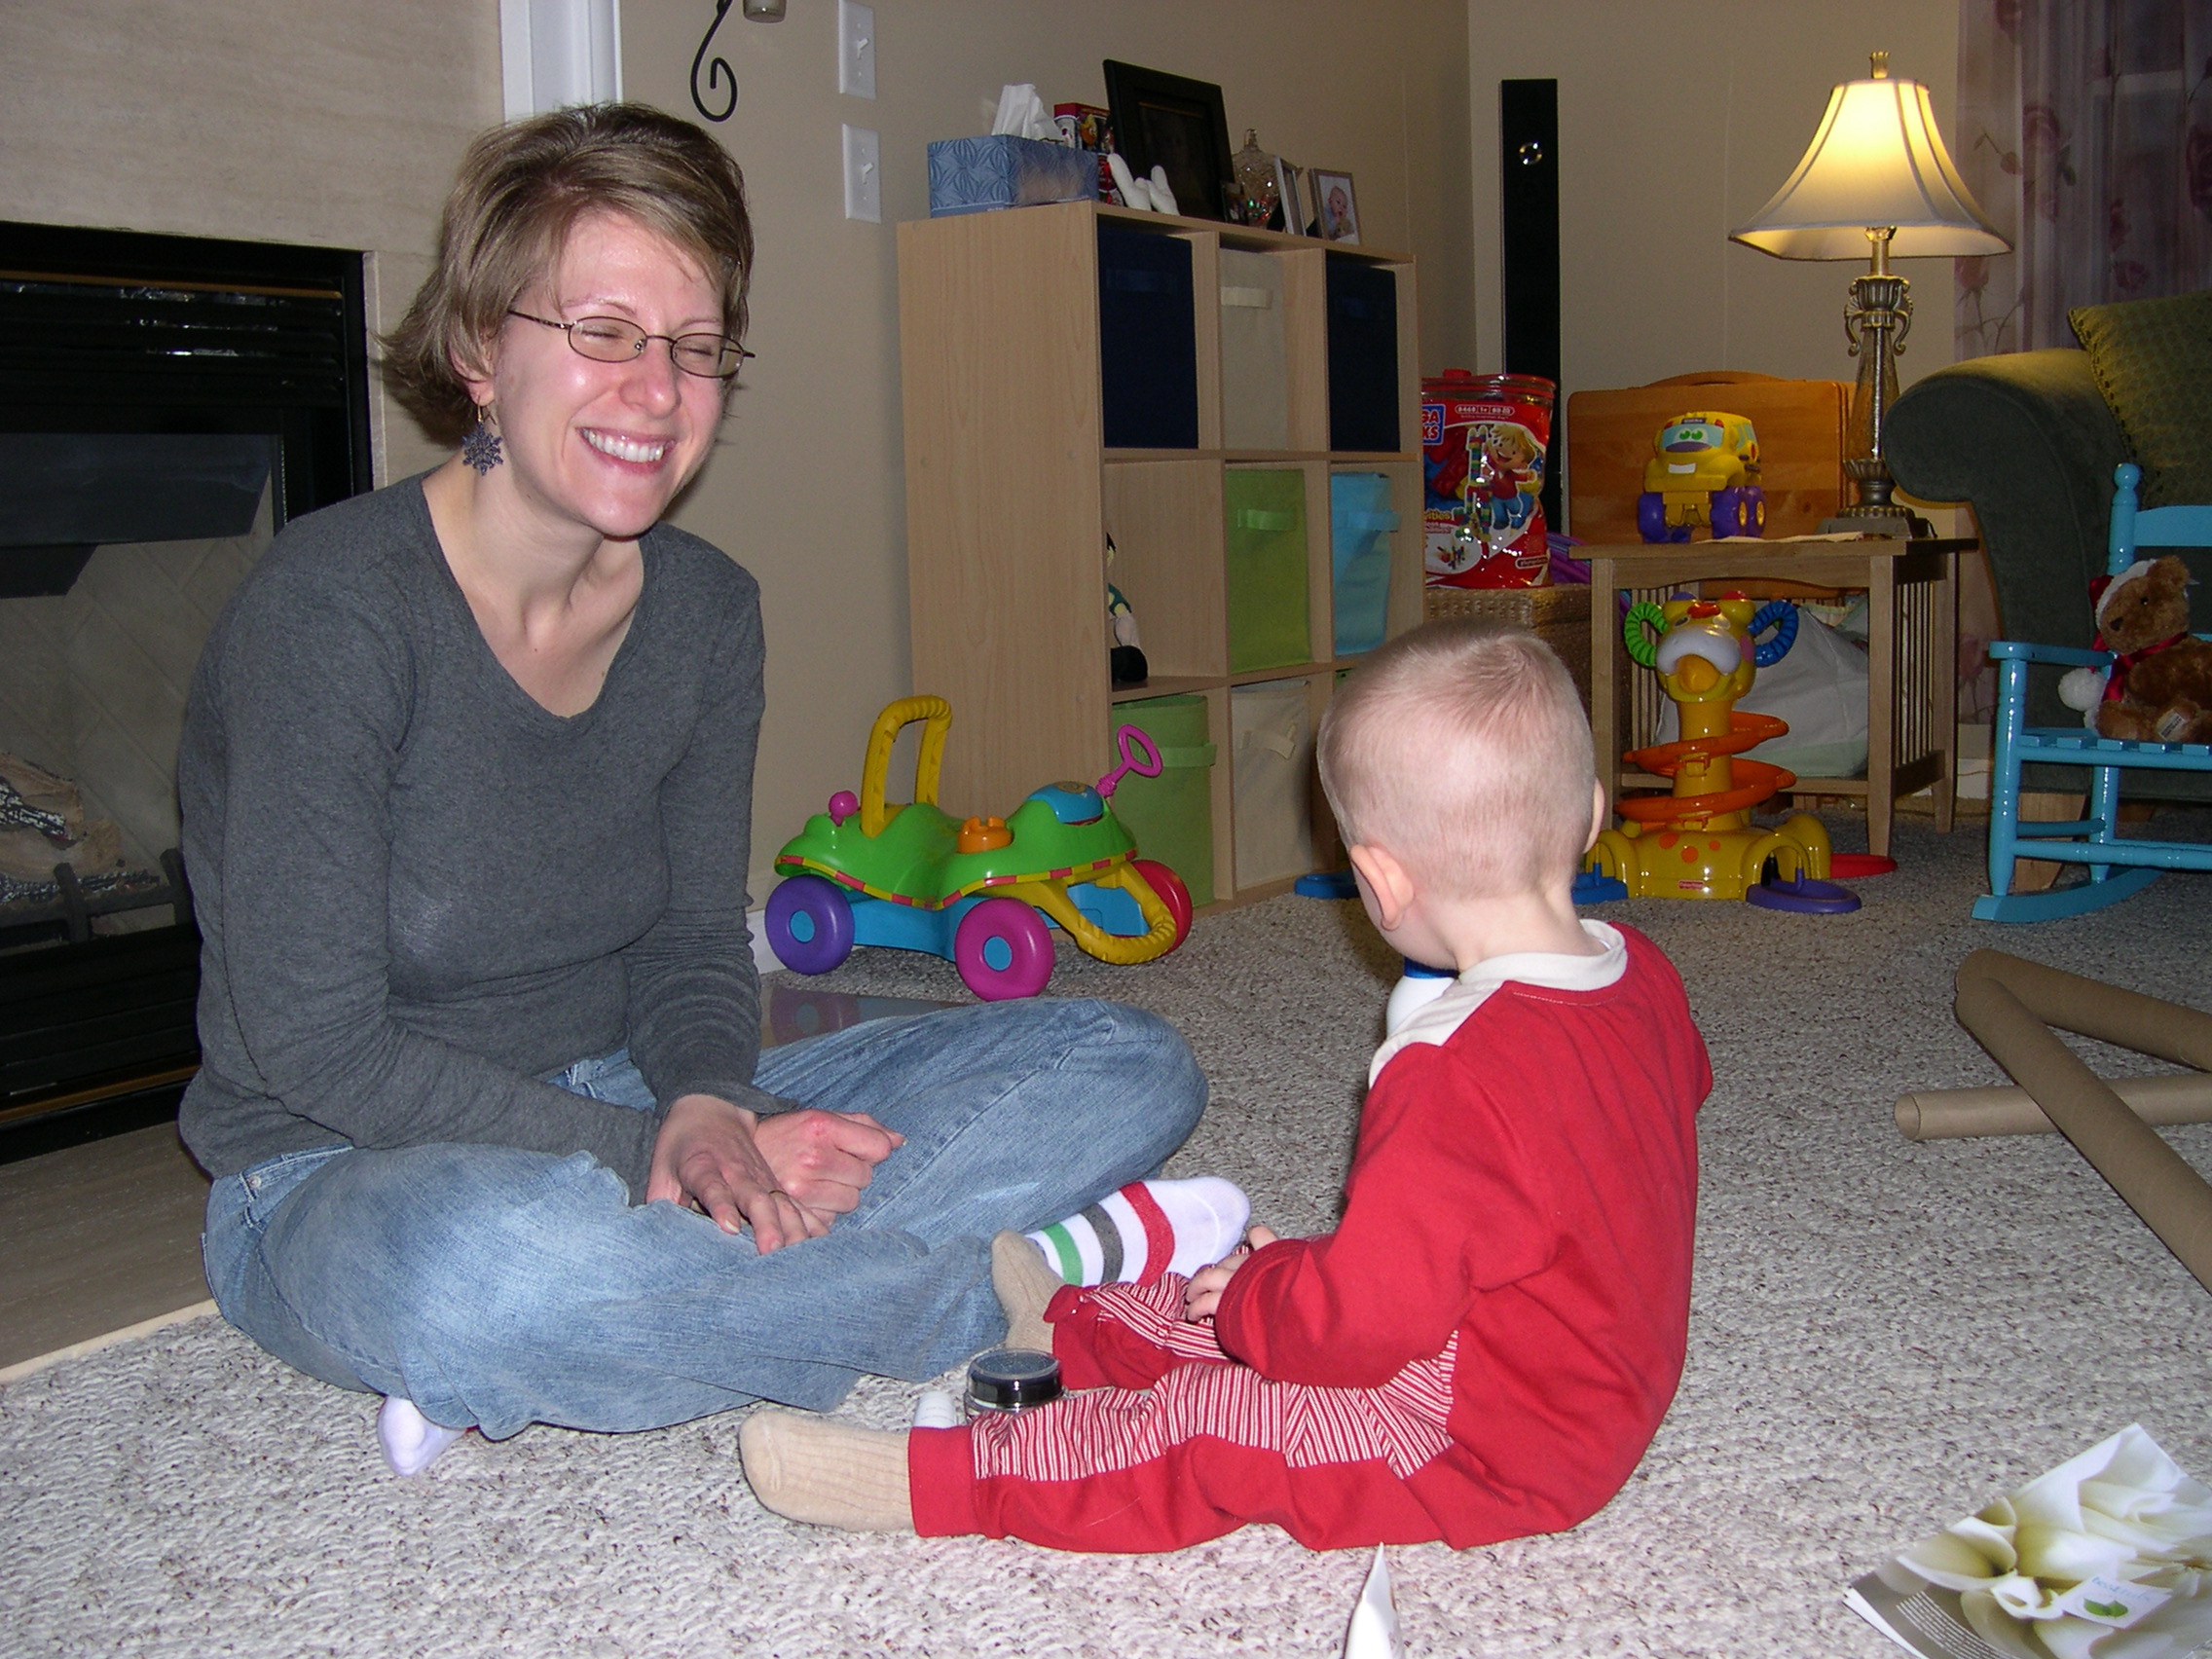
(466, 780)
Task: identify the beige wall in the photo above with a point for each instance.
(322, 122)
(806, 489)
(339, 124)
(1677, 120)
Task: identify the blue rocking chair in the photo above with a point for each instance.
(2118, 868)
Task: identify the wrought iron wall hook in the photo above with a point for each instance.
(716, 71)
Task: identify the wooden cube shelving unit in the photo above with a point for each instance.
(1011, 492)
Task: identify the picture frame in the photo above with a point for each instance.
(1294, 215)
(1177, 124)
(1336, 206)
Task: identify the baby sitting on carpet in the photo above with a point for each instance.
(1486, 1345)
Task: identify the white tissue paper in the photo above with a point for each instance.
(1023, 114)
(1374, 1631)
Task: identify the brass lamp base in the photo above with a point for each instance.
(1898, 523)
(1874, 512)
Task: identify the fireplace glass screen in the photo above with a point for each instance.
(167, 405)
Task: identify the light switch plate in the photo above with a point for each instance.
(864, 175)
(855, 48)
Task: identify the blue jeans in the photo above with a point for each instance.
(498, 1287)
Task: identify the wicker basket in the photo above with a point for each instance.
(1558, 616)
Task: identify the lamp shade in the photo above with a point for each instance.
(1876, 162)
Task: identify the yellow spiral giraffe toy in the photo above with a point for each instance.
(1700, 843)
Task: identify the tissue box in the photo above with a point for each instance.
(973, 175)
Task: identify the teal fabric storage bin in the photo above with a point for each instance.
(1360, 523)
(1267, 626)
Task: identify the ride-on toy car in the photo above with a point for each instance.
(978, 892)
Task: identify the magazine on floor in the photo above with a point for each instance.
(2107, 1557)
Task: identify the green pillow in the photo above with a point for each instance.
(2153, 360)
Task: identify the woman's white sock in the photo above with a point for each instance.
(411, 1440)
(1147, 1229)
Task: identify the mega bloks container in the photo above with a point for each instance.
(1485, 443)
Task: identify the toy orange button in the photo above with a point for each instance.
(983, 834)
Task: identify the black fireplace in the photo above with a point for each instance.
(167, 405)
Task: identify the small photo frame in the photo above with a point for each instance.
(1294, 217)
(1335, 205)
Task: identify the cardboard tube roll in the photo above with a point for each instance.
(2129, 1019)
(1951, 1114)
(2156, 1181)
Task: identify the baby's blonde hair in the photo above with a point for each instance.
(1462, 748)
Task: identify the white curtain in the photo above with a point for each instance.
(2084, 130)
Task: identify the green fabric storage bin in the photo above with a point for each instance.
(1172, 815)
(1266, 509)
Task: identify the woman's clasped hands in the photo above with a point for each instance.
(787, 1176)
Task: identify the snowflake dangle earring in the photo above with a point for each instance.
(481, 448)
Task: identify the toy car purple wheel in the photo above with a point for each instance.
(810, 924)
(1756, 498)
(1731, 512)
(1003, 951)
(1651, 516)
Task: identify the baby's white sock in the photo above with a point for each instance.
(936, 1409)
(1147, 1229)
(411, 1440)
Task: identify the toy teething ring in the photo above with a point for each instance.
(1643, 645)
(1130, 737)
(1782, 616)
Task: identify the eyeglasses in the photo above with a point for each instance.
(612, 340)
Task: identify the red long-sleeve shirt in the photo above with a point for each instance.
(1529, 1184)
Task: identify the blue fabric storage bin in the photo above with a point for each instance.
(974, 175)
(1148, 341)
(1360, 523)
(1363, 354)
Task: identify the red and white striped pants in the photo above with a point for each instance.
(1171, 1443)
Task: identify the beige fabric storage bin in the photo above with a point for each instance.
(1255, 396)
(1271, 732)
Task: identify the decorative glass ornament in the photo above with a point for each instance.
(1256, 180)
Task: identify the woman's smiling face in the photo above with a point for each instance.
(605, 446)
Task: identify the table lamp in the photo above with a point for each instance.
(1877, 173)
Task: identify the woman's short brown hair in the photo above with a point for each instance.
(521, 189)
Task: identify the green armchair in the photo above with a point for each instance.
(2029, 443)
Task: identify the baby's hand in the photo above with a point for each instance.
(1207, 1284)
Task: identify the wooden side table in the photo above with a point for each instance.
(1913, 606)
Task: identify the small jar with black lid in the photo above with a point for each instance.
(1012, 1380)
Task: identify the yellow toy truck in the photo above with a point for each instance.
(1704, 467)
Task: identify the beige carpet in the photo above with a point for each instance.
(1884, 1336)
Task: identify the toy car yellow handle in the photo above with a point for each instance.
(896, 718)
(1122, 950)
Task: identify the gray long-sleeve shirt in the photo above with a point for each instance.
(421, 892)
